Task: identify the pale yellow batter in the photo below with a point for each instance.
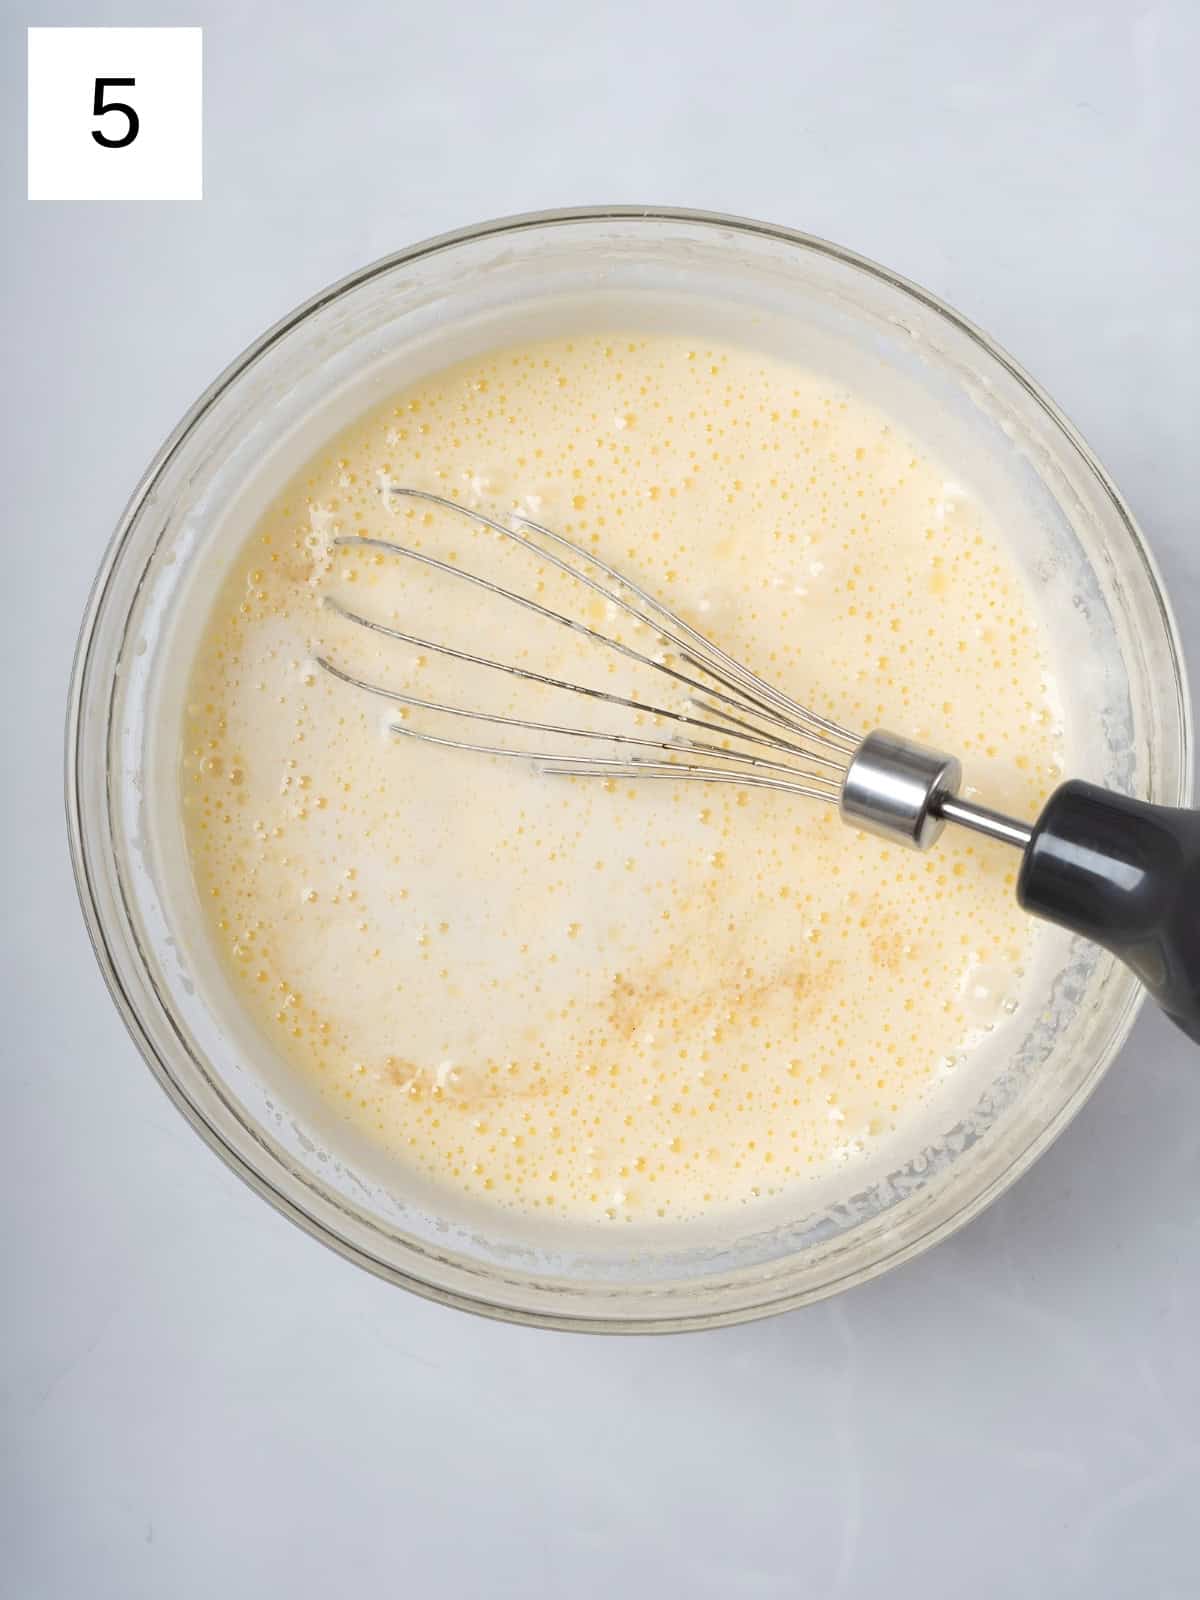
(611, 999)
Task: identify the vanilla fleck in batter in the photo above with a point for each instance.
(613, 999)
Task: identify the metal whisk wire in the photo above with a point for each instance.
(1119, 871)
(731, 687)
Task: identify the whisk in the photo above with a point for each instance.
(1118, 871)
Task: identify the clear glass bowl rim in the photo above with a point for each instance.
(291, 1204)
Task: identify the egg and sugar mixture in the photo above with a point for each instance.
(611, 998)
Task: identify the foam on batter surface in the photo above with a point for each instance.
(612, 999)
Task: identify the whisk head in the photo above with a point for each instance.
(726, 723)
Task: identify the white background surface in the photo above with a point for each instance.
(196, 1399)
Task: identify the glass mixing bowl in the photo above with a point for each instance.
(346, 349)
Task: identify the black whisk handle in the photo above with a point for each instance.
(1127, 876)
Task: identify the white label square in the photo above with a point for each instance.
(94, 137)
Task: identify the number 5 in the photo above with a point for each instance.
(99, 109)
